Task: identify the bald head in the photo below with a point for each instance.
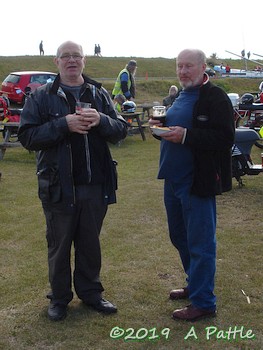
(67, 44)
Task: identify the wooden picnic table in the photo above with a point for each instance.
(8, 128)
(127, 116)
(146, 108)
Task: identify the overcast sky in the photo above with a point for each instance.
(135, 28)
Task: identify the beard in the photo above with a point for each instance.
(189, 83)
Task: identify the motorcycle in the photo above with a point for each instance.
(242, 163)
(8, 115)
(11, 115)
(248, 113)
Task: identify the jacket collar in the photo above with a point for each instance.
(87, 81)
(206, 79)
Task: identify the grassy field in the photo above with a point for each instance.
(140, 266)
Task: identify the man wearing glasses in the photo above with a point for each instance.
(76, 176)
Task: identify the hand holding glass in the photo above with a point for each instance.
(159, 113)
(82, 107)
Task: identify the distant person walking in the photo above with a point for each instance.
(97, 50)
(125, 84)
(41, 48)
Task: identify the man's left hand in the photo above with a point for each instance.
(176, 135)
(92, 116)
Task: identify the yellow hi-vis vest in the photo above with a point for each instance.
(118, 107)
(117, 87)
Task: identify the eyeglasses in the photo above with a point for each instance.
(68, 57)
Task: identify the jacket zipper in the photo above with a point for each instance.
(71, 173)
(86, 140)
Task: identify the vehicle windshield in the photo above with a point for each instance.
(12, 78)
(42, 78)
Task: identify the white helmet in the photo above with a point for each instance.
(129, 106)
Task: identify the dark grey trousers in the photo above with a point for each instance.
(82, 228)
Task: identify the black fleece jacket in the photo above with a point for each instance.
(211, 139)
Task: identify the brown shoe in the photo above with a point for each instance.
(192, 313)
(182, 293)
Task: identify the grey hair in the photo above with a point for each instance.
(200, 55)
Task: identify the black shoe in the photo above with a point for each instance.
(103, 305)
(57, 312)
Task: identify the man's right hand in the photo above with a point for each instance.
(155, 122)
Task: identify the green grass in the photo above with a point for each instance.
(140, 265)
(160, 72)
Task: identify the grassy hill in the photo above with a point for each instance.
(154, 75)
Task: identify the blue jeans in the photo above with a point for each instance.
(192, 229)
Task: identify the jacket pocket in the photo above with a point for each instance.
(207, 174)
(111, 182)
(49, 187)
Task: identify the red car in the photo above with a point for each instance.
(15, 84)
